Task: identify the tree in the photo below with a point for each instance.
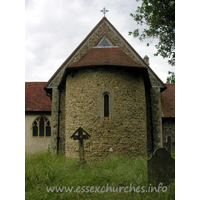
(159, 16)
(171, 79)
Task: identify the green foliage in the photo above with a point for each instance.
(171, 78)
(44, 170)
(159, 17)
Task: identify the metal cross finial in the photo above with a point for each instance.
(104, 11)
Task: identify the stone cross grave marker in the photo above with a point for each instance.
(80, 137)
(160, 168)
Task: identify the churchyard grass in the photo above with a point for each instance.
(44, 170)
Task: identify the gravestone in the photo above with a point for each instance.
(168, 144)
(80, 137)
(161, 168)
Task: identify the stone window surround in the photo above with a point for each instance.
(106, 105)
(46, 120)
(110, 93)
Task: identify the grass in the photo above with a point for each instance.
(44, 170)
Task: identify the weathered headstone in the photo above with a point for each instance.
(161, 167)
(168, 144)
(80, 137)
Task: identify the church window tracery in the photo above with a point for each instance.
(41, 127)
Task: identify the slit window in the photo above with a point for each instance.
(106, 105)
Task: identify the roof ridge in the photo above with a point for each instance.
(104, 20)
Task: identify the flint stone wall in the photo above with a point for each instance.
(169, 131)
(126, 132)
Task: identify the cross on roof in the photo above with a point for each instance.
(104, 11)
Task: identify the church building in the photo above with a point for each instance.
(106, 88)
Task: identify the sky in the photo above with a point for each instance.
(53, 29)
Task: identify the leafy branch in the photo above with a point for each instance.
(159, 17)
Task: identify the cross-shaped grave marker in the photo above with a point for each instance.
(80, 137)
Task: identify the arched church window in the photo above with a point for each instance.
(41, 127)
(48, 129)
(106, 105)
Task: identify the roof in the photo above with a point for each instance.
(97, 32)
(36, 98)
(168, 100)
(105, 56)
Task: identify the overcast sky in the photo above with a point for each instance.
(54, 28)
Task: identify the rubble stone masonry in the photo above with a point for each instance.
(126, 132)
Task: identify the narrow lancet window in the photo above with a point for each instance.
(41, 126)
(35, 129)
(106, 105)
(48, 129)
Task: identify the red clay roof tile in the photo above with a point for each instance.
(105, 56)
(168, 100)
(35, 97)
